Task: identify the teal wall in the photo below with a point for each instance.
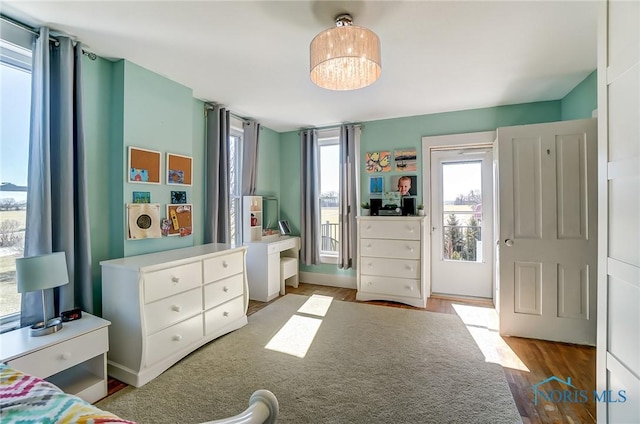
(404, 132)
(582, 100)
(127, 105)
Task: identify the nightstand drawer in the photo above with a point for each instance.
(167, 282)
(59, 357)
(223, 266)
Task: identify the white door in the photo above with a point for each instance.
(462, 222)
(548, 225)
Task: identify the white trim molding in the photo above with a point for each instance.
(331, 280)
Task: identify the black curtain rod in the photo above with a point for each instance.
(52, 39)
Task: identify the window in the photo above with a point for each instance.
(15, 98)
(235, 181)
(329, 155)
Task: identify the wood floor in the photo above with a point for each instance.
(536, 359)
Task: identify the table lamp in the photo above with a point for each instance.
(40, 273)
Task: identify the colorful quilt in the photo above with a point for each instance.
(25, 399)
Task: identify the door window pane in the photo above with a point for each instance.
(462, 211)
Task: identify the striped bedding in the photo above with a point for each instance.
(25, 399)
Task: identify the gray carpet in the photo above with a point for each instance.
(367, 364)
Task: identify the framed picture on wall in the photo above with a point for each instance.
(376, 185)
(181, 219)
(179, 169)
(405, 160)
(144, 166)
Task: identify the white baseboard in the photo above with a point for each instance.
(342, 281)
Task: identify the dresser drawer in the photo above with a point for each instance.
(170, 340)
(223, 266)
(222, 315)
(391, 229)
(221, 291)
(61, 356)
(403, 249)
(390, 286)
(167, 282)
(164, 312)
(401, 268)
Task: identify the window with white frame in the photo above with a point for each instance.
(15, 104)
(235, 180)
(329, 155)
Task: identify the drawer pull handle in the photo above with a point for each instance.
(410, 288)
(410, 249)
(225, 314)
(225, 289)
(368, 246)
(369, 264)
(65, 356)
(177, 338)
(225, 264)
(369, 283)
(175, 279)
(409, 268)
(176, 308)
(368, 227)
(410, 229)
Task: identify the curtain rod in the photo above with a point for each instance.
(53, 39)
(211, 105)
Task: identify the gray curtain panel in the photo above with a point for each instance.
(250, 144)
(348, 204)
(309, 195)
(57, 209)
(216, 220)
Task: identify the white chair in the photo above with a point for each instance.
(288, 270)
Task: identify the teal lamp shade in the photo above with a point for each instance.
(40, 273)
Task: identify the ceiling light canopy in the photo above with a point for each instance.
(346, 57)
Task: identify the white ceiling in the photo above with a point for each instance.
(253, 56)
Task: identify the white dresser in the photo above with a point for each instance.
(164, 305)
(393, 259)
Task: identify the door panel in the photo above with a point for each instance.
(547, 175)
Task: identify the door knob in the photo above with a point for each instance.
(508, 242)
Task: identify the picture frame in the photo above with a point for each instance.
(181, 219)
(413, 191)
(179, 169)
(376, 185)
(144, 166)
(377, 161)
(406, 160)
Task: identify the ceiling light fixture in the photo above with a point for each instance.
(346, 57)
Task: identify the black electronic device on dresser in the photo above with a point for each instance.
(407, 207)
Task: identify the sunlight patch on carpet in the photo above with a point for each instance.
(317, 305)
(296, 336)
(482, 324)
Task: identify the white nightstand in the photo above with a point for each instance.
(73, 359)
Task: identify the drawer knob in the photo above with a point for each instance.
(175, 279)
(177, 338)
(410, 229)
(65, 356)
(225, 289)
(368, 227)
(225, 314)
(410, 249)
(368, 246)
(369, 283)
(409, 268)
(410, 288)
(369, 264)
(176, 308)
(225, 264)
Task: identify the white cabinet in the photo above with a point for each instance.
(393, 259)
(164, 305)
(74, 358)
(251, 218)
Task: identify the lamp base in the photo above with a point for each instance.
(43, 328)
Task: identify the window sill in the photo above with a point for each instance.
(329, 258)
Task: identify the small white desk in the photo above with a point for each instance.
(263, 264)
